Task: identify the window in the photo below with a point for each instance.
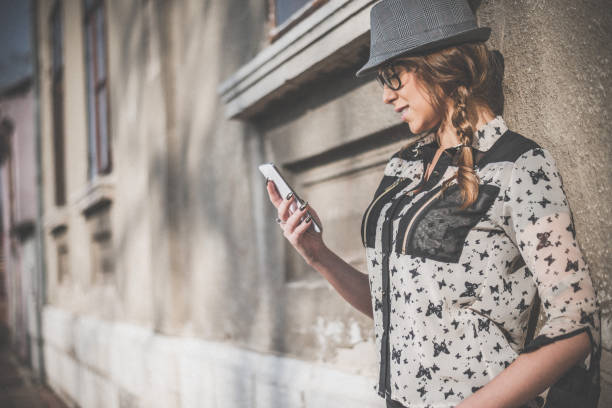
(97, 88)
(57, 92)
(284, 14)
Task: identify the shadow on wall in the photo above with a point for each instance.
(188, 194)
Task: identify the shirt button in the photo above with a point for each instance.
(383, 293)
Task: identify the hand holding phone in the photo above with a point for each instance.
(270, 171)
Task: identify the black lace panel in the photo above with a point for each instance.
(440, 227)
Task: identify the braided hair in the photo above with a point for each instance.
(465, 74)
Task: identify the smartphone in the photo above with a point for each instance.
(270, 171)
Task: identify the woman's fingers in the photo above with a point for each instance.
(291, 222)
(294, 219)
(283, 208)
(303, 226)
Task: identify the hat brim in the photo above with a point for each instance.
(472, 35)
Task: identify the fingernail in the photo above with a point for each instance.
(307, 219)
(267, 180)
(289, 196)
(303, 205)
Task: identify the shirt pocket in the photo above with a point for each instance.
(435, 227)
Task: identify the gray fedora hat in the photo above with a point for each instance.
(405, 27)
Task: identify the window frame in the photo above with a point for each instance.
(301, 14)
(97, 88)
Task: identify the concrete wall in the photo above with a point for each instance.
(198, 257)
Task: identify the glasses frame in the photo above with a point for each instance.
(387, 75)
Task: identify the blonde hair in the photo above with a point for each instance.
(465, 73)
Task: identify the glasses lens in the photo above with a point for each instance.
(394, 82)
(390, 78)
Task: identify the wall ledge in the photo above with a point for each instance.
(331, 37)
(56, 219)
(98, 193)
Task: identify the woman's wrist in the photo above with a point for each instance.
(319, 254)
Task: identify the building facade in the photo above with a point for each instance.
(21, 252)
(168, 282)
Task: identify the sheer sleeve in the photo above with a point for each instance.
(537, 216)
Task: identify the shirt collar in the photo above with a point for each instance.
(484, 138)
(489, 133)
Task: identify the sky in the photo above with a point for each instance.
(15, 47)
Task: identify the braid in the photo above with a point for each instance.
(466, 176)
(467, 74)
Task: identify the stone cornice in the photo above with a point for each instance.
(329, 38)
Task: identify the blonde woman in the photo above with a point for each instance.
(467, 231)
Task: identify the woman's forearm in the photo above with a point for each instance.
(350, 283)
(530, 374)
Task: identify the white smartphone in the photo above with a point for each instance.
(270, 171)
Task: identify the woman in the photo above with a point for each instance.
(467, 226)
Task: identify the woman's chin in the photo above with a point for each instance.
(413, 128)
(417, 128)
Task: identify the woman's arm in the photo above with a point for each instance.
(350, 283)
(530, 374)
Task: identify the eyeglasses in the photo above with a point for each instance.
(388, 76)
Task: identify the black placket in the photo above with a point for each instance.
(387, 231)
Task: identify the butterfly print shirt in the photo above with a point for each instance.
(452, 289)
